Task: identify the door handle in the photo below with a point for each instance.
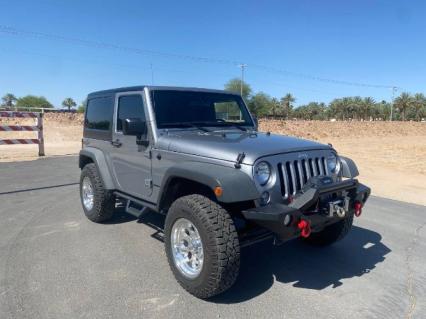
(116, 143)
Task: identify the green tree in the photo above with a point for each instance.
(311, 111)
(69, 103)
(346, 107)
(234, 85)
(287, 104)
(381, 110)
(403, 103)
(260, 104)
(82, 107)
(9, 100)
(419, 103)
(33, 101)
(355, 107)
(366, 106)
(275, 106)
(337, 109)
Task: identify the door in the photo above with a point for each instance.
(131, 162)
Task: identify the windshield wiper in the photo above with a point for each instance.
(201, 125)
(186, 124)
(241, 128)
(221, 122)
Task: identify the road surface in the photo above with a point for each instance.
(54, 263)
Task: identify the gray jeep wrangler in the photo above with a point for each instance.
(196, 156)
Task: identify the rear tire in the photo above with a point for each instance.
(102, 204)
(220, 245)
(332, 233)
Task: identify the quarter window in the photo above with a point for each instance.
(99, 114)
(129, 107)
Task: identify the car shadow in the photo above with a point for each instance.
(305, 266)
(294, 262)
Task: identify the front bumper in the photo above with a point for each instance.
(318, 205)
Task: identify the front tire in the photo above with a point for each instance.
(332, 233)
(202, 246)
(98, 204)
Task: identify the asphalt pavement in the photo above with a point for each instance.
(54, 263)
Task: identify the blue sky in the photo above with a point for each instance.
(364, 41)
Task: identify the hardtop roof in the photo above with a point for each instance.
(151, 87)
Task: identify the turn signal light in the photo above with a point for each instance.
(218, 191)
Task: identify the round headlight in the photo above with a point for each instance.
(262, 172)
(333, 164)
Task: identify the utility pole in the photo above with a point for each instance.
(394, 88)
(242, 66)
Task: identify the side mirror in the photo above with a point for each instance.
(134, 127)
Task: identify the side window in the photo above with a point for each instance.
(99, 114)
(129, 106)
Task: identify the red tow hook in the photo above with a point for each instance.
(305, 228)
(358, 209)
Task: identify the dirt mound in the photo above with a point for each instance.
(319, 130)
(48, 118)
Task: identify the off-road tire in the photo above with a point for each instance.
(220, 244)
(104, 201)
(331, 233)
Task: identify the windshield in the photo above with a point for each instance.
(175, 108)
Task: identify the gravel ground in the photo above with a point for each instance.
(54, 263)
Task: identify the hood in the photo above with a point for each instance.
(227, 146)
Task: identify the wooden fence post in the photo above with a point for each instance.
(40, 134)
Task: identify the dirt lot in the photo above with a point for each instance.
(390, 156)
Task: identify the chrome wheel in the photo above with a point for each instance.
(187, 248)
(87, 193)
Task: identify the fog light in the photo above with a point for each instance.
(287, 219)
(265, 198)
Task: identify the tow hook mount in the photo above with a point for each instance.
(339, 207)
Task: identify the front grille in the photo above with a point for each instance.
(295, 173)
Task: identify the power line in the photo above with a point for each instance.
(104, 45)
(320, 79)
(121, 65)
(12, 31)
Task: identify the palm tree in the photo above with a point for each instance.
(336, 108)
(9, 100)
(69, 103)
(419, 103)
(287, 104)
(275, 106)
(366, 106)
(356, 107)
(403, 102)
(346, 107)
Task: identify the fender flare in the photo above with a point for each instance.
(98, 157)
(236, 185)
(349, 168)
